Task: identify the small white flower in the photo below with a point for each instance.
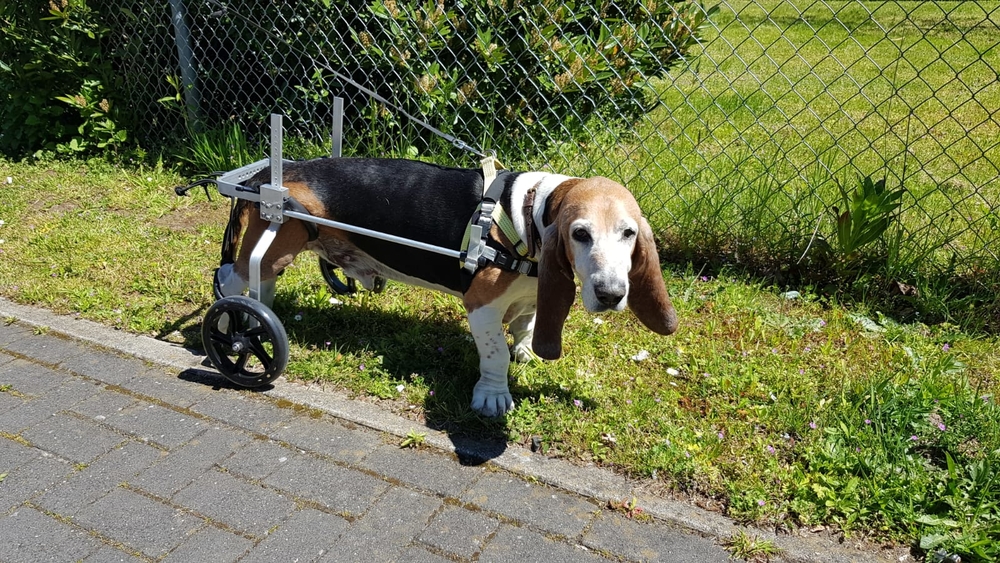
(298, 317)
(2, 223)
(149, 178)
(598, 321)
(642, 355)
(400, 387)
(673, 372)
(335, 301)
(10, 180)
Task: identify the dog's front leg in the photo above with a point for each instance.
(491, 396)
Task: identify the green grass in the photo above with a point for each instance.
(740, 163)
(786, 412)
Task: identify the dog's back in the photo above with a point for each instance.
(410, 199)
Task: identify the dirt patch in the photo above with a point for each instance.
(63, 208)
(193, 217)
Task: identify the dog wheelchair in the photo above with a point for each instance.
(243, 338)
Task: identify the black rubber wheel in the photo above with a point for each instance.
(345, 286)
(245, 341)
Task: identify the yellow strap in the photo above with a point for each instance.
(490, 164)
(507, 227)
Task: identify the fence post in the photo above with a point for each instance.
(185, 57)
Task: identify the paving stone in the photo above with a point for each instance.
(84, 487)
(168, 388)
(255, 414)
(459, 531)
(9, 402)
(178, 468)
(13, 331)
(29, 378)
(46, 348)
(31, 479)
(141, 523)
(4, 358)
(108, 554)
(536, 505)
(103, 366)
(30, 536)
(239, 505)
(649, 542)
(420, 555)
(387, 529)
(38, 409)
(327, 438)
(74, 439)
(258, 459)
(337, 488)
(158, 425)
(14, 454)
(424, 469)
(306, 536)
(210, 544)
(104, 405)
(512, 544)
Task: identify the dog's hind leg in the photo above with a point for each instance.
(289, 242)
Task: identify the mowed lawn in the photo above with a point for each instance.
(789, 99)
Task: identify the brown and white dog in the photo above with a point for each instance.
(589, 228)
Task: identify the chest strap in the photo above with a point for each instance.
(478, 252)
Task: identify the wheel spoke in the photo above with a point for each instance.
(257, 347)
(254, 332)
(219, 337)
(241, 362)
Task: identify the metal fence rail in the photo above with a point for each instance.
(737, 128)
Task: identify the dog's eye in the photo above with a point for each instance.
(581, 235)
(629, 233)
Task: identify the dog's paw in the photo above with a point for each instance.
(491, 400)
(522, 352)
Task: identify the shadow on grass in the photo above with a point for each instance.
(432, 344)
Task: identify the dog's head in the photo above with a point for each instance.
(596, 231)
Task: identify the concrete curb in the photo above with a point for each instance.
(587, 481)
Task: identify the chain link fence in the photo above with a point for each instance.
(741, 127)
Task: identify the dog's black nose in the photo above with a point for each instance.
(609, 296)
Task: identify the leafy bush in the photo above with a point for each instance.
(498, 72)
(55, 88)
(522, 69)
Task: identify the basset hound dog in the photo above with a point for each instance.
(589, 229)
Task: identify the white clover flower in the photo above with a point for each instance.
(642, 355)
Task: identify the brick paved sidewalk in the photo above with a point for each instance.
(106, 458)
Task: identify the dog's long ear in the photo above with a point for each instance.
(647, 294)
(556, 291)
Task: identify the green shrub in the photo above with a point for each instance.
(524, 70)
(55, 88)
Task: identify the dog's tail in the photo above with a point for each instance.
(239, 215)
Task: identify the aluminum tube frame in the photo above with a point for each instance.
(257, 256)
(375, 234)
